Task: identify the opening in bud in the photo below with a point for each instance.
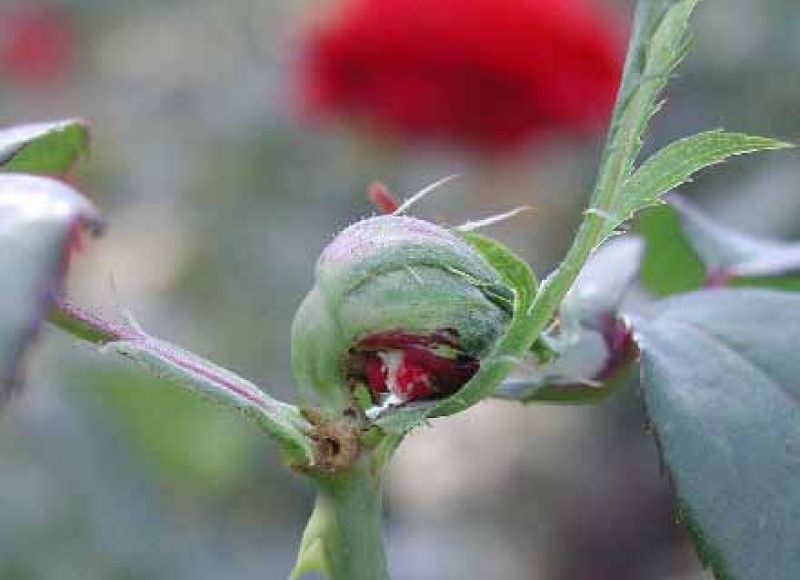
(401, 307)
(403, 367)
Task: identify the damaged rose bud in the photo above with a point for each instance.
(410, 367)
(402, 308)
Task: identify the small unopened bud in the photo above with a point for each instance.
(401, 307)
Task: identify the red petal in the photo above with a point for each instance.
(412, 382)
(376, 374)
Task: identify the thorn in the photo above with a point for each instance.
(382, 198)
(601, 213)
(126, 313)
(491, 220)
(131, 321)
(422, 193)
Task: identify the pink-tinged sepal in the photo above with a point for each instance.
(400, 306)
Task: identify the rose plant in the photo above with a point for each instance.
(409, 322)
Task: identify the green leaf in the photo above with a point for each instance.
(720, 378)
(665, 24)
(38, 219)
(666, 49)
(49, 148)
(507, 353)
(677, 162)
(658, 44)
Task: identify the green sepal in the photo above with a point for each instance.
(281, 421)
(386, 274)
(507, 353)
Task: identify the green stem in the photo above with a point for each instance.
(344, 537)
(356, 504)
(86, 325)
(619, 154)
(285, 423)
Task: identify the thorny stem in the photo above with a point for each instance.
(86, 325)
(613, 170)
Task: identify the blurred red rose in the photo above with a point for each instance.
(36, 44)
(485, 73)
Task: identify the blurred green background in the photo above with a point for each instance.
(220, 198)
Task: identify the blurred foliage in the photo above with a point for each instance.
(202, 457)
(670, 264)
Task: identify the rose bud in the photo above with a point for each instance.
(401, 307)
